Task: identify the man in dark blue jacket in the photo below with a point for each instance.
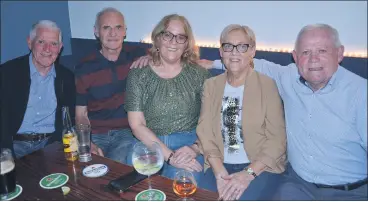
(34, 89)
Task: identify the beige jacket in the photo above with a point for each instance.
(263, 121)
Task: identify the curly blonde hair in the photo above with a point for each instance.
(191, 52)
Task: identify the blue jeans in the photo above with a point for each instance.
(175, 141)
(293, 187)
(261, 188)
(116, 144)
(22, 148)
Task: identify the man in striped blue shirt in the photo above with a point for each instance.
(326, 119)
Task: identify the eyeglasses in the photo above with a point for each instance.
(228, 47)
(168, 36)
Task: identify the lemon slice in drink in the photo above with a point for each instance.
(65, 190)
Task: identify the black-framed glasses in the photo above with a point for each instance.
(168, 36)
(228, 47)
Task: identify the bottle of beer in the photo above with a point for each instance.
(70, 139)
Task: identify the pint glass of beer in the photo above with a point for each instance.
(7, 177)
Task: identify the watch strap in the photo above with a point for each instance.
(250, 172)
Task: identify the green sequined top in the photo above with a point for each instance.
(169, 105)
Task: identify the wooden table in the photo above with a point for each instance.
(32, 168)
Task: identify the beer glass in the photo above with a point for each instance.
(7, 177)
(84, 142)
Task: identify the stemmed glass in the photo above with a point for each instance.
(184, 184)
(148, 160)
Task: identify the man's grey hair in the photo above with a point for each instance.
(106, 10)
(334, 34)
(44, 24)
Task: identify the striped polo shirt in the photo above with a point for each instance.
(101, 85)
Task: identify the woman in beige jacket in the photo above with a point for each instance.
(241, 127)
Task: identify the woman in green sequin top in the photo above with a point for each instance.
(163, 100)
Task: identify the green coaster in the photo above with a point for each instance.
(157, 195)
(54, 180)
(14, 194)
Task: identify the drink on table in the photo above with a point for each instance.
(70, 140)
(7, 174)
(184, 184)
(84, 142)
(147, 164)
(147, 160)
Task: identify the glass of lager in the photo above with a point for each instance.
(7, 177)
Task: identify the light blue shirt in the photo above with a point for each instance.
(326, 129)
(41, 107)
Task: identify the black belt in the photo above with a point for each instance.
(346, 187)
(32, 137)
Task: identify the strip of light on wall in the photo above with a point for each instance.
(267, 49)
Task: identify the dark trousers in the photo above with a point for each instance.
(261, 188)
(294, 187)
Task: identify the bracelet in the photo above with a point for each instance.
(168, 159)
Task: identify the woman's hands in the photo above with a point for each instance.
(185, 157)
(231, 187)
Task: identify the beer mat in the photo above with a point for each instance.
(157, 195)
(54, 180)
(95, 170)
(14, 194)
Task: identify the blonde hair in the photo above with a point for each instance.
(247, 31)
(191, 53)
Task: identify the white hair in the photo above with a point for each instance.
(106, 10)
(44, 24)
(334, 34)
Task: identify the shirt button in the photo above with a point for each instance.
(38, 113)
(310, 115)
(39, 97)
(311, 156)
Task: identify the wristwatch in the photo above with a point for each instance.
(250, 171)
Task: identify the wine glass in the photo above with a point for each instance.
(184, 184)
(147, 160)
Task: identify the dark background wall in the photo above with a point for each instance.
(17, 17)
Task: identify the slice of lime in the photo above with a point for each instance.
(65, 190)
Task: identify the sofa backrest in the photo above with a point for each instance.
(83, 47)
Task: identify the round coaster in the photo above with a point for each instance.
(14, 194)
(54, 180)
(95, 170)
(157, 195)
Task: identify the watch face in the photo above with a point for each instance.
(250, 170)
